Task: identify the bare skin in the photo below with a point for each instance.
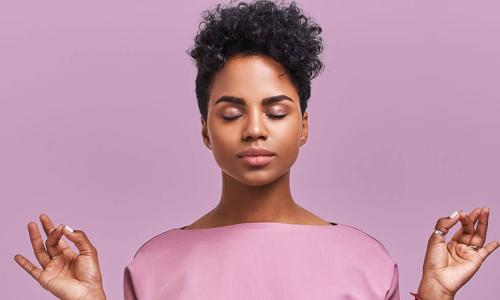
(66, 274)
(263, 194)
(255, 194)
(306, 218)
(259, 194)
(449, 265)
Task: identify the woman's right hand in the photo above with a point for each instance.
(66, 274)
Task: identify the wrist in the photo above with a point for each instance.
(430, 290)
(97, 294)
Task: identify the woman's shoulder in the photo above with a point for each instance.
(340, 232)
(363, 242)
(340, 239)
(155, 243)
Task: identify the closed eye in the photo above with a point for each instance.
(230, 118)
(277, 116)
(270, 116)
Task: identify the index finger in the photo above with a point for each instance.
(467, 230)
(474, 214)
(48, 226)
(53, 241)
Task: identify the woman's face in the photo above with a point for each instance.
(239, 117)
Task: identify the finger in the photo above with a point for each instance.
(81, 241)
(479, 237)
(37, 243)
(48, 226)
(468, 230)
(474, 214)
(488, 249)
(444, 224)
(28, 266)
(52, 242)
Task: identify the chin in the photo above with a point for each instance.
(256, 183)
(257, 177)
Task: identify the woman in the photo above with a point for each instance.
(255, 63)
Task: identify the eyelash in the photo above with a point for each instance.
(271, 116)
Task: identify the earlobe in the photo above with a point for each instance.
(204, 133)
(305, 129)
(207, 143)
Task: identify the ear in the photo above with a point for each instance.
(204, 132)
(305, 129)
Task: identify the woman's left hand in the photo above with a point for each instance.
(448, 266)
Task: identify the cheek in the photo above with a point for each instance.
(287, 134)
(225, 138)
(226, 144)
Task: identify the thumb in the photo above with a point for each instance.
(81, 241)
(444, 225)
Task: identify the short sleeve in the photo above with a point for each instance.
(393, 292)
(128, 286)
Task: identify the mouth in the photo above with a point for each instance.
(257, 161)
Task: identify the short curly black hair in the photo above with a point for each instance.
(263, 27)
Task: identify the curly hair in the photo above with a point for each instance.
(263, 27)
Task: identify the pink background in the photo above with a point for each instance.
(99, 126)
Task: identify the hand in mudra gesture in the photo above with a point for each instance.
(449, 265)
(66, 274)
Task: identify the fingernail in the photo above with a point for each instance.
(454, 214)
(68, 228)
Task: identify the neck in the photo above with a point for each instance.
(240, 203)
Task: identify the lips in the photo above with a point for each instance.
(256, 157)
(257, 161)
(256, 152)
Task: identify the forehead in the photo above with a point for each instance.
(252, 77)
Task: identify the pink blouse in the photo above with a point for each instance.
(262, 260)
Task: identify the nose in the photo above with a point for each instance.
(255, 126)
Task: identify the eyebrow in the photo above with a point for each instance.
(240, 101)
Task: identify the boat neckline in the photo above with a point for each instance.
(259, 224)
